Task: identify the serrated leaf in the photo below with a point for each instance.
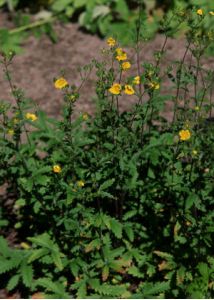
(129, 214)
(8, 265)
(54, 287)
(37, 254)
(203, 270)
(192, 199)
(163, 254)
(92, 245)
(106, 184)
(4, 250)
(12, 283)
(151, 290)
(105, 273)
(74, 268)
(82, 291)
(112, 290)
(43, 240)
(27, 274)
(130, 233)
(57, 260)
(134, 271)
(116, 228)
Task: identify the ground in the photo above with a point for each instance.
(41, 61)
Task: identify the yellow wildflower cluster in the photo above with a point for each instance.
(120, 54)
(194, 152)
(57, 169)
(10, 131)
(85, 116)
(136, 80)
(111, 42)
(129, 89)
(184, 134)
(31, 117)
(80, 183)
(60, 83)
(116, 89)
(200, 12)
(154, 85)
(126, 65)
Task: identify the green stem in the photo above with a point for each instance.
(32, 25)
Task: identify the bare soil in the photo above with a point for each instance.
(42, 61)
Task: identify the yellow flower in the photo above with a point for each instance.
(184, 135)
(31, 117)
(80, 183)
(111, 42)
(72, 98)
(194, 152)
(136, 80)
(115, 89)
(57, 169)
(10, 132)
(25, 245)
(129, 90)
(197, 108)
(121, 55)
(211, 13)
(154, 85)
(15, 121)
(85, 116)
(200, 12)
(60, 83)
(126, 65)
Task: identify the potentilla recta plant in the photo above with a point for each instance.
(115, 204)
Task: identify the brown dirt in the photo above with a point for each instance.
(42, 60)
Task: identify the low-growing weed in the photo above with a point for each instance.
(114, 204)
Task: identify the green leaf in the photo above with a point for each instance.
(134, 271)
(4, 250)
(37, 254)
(60, 5)
(192, 199)
(54, 287)
(129, 214)
(116, 228)
(100, 11)
(151, 290)
(203, 270)
(106, 184)
(130, 233)
(105, 273)
(82, 291)
(92, 245)
(8, 265)
(163, 254)
(80, 3)
(57, 260)
(27, 274)
(43, 240)
(122, 9)
(12, 283)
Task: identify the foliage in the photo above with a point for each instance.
(118, 204)
(102, 17)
